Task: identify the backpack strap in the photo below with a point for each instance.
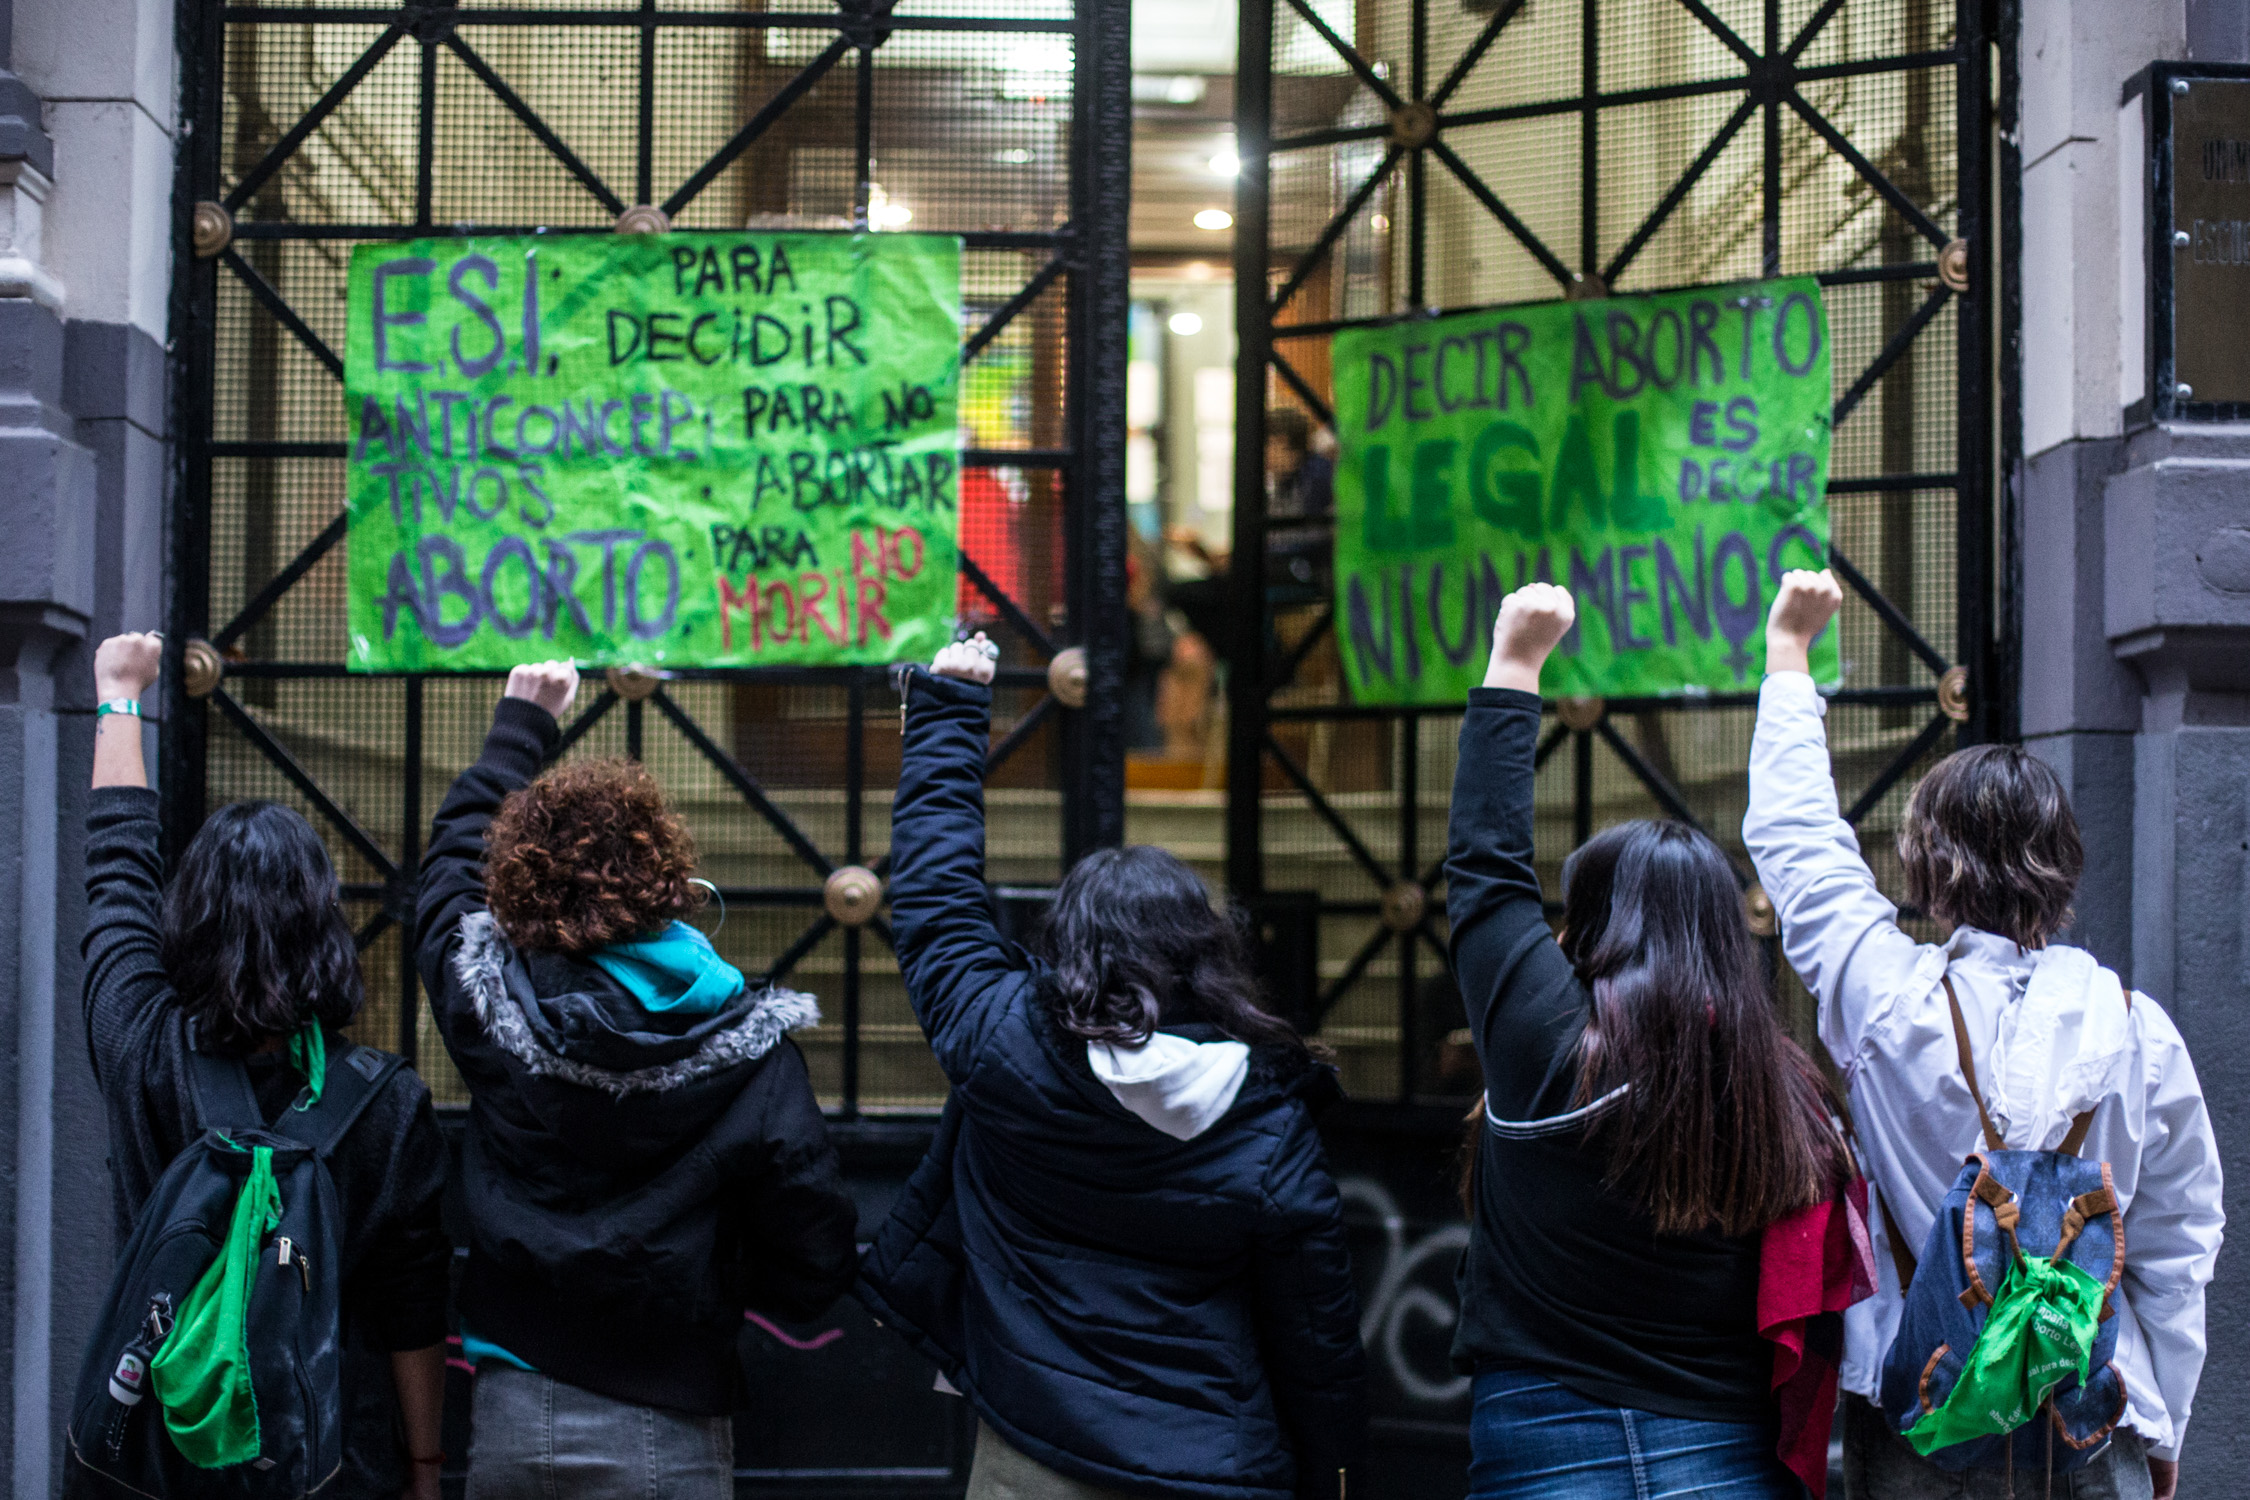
(1902, 1258)
(1969, 1063)
(219, 1090)
(355, 1076)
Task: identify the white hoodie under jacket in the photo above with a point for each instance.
(2051, 1035)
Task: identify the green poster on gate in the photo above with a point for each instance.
(684, 449)
(1663, 457)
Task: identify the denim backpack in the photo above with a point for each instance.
(291, 1325)
(2003, 1204)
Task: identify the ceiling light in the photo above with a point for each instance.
(1214, 218)
(1014, 156)
(1186, 324)
(1380, 223)
(1226, 163)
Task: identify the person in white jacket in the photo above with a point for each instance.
(1992, 854)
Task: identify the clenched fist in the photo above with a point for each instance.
(550, 684)
(124, 665)
(972, 660)
(1801, 611)
(1532, 620)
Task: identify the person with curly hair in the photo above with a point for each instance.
(645, 1159)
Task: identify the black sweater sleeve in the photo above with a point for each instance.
(801, 1228)
(515, 749)
(1525, 1005)
(125, 985)
(401, 1282)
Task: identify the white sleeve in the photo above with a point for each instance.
(2173, 1225)
(1839, 932)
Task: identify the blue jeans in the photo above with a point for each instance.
(535, 1438)
(1529, 1437)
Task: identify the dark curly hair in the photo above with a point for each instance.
(1990, 842)
(255, 938)
(589, 854)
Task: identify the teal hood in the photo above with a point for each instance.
(678, 969)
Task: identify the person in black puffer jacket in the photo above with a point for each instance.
(1124, 1247)
(645, 1159)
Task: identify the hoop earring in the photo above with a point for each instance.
(716, 896)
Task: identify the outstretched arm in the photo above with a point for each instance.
(1840, 933)
(124, 944)
(523, 732)
(1500, 938)
(948, 948)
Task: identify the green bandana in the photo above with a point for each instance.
(201, 1375)
(2040, 1331)
(308, 1054)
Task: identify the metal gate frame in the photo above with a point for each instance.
(1089, 255)
(1975, 691)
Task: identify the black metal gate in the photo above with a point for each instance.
(309, 127)
(1428, 155)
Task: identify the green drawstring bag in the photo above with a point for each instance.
(2040, 1330)
(201, 1375)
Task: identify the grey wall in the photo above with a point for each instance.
(85, 190)
(2136, 618)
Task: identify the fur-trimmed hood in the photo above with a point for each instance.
(597, 1038)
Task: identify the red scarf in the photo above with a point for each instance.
(1812, 1265)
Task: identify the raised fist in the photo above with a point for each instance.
(1532, 620)
(1802, 608)
(972, 660)
(550, 684)
(124, 665)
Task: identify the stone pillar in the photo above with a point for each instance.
(2135, 551)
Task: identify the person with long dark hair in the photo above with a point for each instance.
(1645, 1118)
(1124, 1247)
(248, 954)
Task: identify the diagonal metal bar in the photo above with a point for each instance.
(281, 583)
(1865, 802)
(1349, 54)
(585, 721)
(795, 953)
(307, 123)
(1327, 813)
(286, 315)
(743, 782)
(1310, 262)
(1667, 795)
(1907, 208)
(1304, 648)
(297, 776)
(1811, 29)
(1427, 931)
(1018, 733)
(1556, 738)
(538, 127)
(1493, 206)
(1672, 200)
(1304, 390)
(1900, 342)
(1483, 44)
(1008, 310)
(1723, 32)
(1887, 612)
(1010, 611)
(758, 124)
(373, 930)
(1350, 976)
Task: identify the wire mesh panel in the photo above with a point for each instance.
(1410, 158)
(315, 127)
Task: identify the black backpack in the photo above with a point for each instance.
(293, 1324)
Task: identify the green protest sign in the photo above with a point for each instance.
(1664, 457)
(696, 449)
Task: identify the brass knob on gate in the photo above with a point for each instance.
(1586, 286)
(1953, 694)
(204, 669)
(643, 218)
(211, 230)
(1404, 905)
(1757, 909)
(1066, 677)
(1580, 714)
(852, 895)
(633, 684)
(1953, 265)
(1413, 126)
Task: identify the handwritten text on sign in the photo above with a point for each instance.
(1664, 457)
(735, 449)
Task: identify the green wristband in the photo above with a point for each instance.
(118, 706)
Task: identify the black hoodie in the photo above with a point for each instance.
(634, 1180)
